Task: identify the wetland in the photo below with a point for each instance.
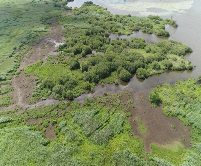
(114, 84)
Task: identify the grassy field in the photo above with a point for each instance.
(22, 24)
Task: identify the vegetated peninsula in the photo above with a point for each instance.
(114, 129)
(76, 69)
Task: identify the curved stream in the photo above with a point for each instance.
(187, 13)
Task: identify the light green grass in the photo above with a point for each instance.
(142, 127)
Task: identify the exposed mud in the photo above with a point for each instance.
(49, 132)
(160, 129)
(46, 46)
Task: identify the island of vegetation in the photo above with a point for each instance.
(77, 69)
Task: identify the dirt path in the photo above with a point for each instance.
(18, 93)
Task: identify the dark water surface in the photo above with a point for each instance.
(187, 13)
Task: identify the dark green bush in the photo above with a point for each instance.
(74, 65)
(124, 75)
(142, 73)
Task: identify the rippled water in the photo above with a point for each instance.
(187, 13)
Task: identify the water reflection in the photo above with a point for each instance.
(149, 38)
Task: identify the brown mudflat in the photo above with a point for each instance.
(160, 128)
(49, 132)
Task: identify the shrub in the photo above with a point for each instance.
(69, 95)
(5, 120)
(199, 78)
(126, 158)
(154, 98)
(142, 73)
(124, 75)
(138, 43)
(74, 65)
(47, 84)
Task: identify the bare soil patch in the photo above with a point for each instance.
(49, 133)
(23, 88)
(46, 46)
(160, 128)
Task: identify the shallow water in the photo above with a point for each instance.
(149, 38)
(187, 13)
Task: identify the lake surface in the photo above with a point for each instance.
(187, 13)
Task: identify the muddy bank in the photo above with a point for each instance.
(161, 130)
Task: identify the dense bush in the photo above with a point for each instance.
(125, 75)
(199, 78)
(142, 73)
(5, 120)
(154, 98)
(127, 159)
(74, 65)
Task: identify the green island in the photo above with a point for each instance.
(111, 129)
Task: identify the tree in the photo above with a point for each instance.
(74, 65)
(199, 78)
(86, 50)
(142, 73)
(125, 75)
(69, 95)
(58, 89)
(48, 84)
(154, 98)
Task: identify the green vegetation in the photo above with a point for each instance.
(199, 78)
(5, 90)
(94, 133)
(23, 23)
(5, 100)
(142, 127)
(183, 101)
(173, 126)
(77, 70)
(16, 32)
(174, 155)
(97, 132)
